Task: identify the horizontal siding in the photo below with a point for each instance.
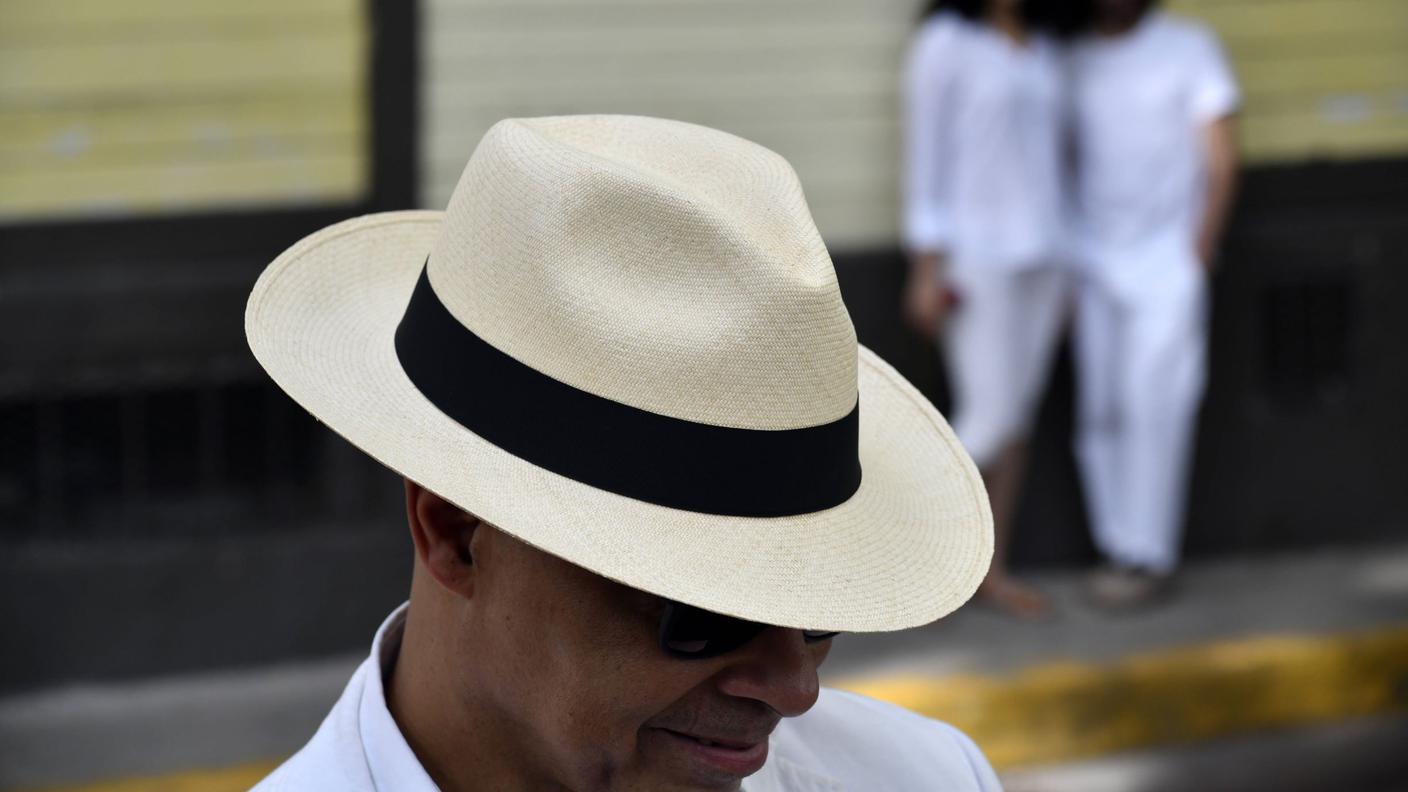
(1323, 79)
(1293, 136)
(817, 81)
(811, 79)
(26, 19)
(137, 72)
(118, 133)
(305, 175)
(1310, 22)
(151, 106)
(1307, 77)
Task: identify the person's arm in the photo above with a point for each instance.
(1220, 142)
(1215, 98)
(925, 173)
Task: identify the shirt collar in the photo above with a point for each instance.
(392, 763)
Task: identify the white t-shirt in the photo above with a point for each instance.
(982, 163)
(1140, 103)
(845, 742)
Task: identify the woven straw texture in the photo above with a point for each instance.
(666, 266)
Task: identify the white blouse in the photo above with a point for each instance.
(983, 146)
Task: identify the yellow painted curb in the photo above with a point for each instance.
(227, 779)
(1060, 712)
(1064, 711)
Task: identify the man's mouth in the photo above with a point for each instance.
(723, 742)
(735, 755)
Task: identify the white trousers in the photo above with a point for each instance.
(998, 344)
(1141, 359)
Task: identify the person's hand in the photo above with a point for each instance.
(926, 301)
(1206, 250)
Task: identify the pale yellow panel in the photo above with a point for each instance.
(147, 106)
(596, 14)
(33, 15)
(1339, 71)
(1319, 20)
(1321, 78)
(716, 40)
(70, 73)
(178, 155)
(735, 8)
(816, 80)
(793, 97)
(27, 22)
(306, 177)
(812, 79)
(1322, 137)
(465, 65)
(175, 129)
(466, 107)
(809, 145)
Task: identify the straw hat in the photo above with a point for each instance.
(623, 343)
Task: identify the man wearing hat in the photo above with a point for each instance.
(649, 476)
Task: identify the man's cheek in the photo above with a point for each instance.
(598, 749)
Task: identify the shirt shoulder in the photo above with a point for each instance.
(1186, 34)
(1213, 90)
(944, 23)
(868, 744)
(940, 33)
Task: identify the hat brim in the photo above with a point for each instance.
(909, 547)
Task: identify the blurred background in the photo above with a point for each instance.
(190, 566)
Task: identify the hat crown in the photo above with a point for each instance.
(660, 264)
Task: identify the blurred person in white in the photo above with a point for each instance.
(982, 229)
(1153, 101)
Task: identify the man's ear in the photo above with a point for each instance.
(442, 533)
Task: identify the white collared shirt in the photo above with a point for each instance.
(982, 166)
(845, 742)
(390, 760)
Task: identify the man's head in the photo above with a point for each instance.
(567, 670)
(623, 345)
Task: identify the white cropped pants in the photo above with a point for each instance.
(998, 344)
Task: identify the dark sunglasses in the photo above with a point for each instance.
(690, 633)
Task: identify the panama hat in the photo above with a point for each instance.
(623, 343)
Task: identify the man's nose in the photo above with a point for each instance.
(777, 668)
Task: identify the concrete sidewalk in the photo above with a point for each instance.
(1357, 755)
(1246, 645)
(1246, 648)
